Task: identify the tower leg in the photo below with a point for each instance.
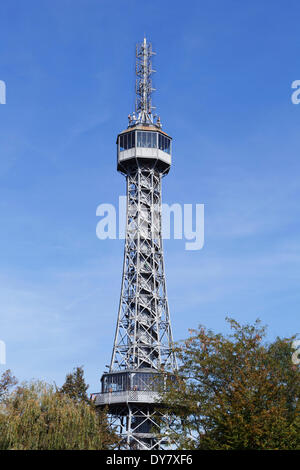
(139, 427)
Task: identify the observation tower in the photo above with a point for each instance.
(143, 345)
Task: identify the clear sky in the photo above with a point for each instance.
(224, 74)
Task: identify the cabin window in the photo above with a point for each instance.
(146, 140)
(127, 141)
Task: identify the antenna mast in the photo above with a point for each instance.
(143, 87)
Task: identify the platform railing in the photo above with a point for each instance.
(128, 396)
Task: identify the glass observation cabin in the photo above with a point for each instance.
(133, 381)
(149, 144)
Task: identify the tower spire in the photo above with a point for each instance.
(143, 86)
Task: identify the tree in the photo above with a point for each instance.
(235, 392)
(75, 386)
(38, 417)
(7, 381)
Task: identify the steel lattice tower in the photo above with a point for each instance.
(143, 339)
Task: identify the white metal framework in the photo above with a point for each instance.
(143, 335)
(143, 345)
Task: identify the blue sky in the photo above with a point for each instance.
(224, 74)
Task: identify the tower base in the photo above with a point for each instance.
(138, 426)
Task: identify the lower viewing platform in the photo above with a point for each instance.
(131, 386)
(128, 396)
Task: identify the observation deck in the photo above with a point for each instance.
(144, 143)
(131, 386)
(127, 396)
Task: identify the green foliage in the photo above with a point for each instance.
(75, 386)
(7, 381)
(36, 416)
(235, 392)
